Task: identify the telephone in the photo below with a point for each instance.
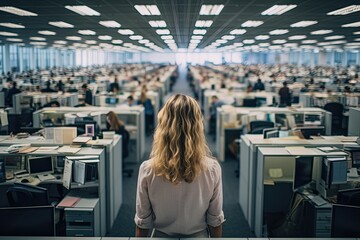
(16, 147)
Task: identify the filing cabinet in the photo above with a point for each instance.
(319, 219)
(82, 220)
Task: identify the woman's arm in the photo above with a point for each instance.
(141, 232)
(215, 232)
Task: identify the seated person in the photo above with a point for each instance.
(48, 88)
(52, 104)
(115, 124)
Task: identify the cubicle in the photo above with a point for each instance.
(132, 116)
(354, 120)
(319, 99)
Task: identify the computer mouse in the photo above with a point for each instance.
(58, 177)
(25, 180)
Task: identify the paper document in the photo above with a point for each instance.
(68, 149)
(68, 202)
(301, 151)
(47, 149)
(82, 157)
(81, 139)
(67, 173)
(79, 172)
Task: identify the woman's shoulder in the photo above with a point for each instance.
(212, 165)
(146, 168)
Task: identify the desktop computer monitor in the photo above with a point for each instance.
(312, 119)
(40, 165)
(111, 100)
(27, 221)
(309, 131)
(303, 172)
(271, 133)
(355, 158)
(345, 221)
(349, 197)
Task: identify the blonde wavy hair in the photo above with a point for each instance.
(179, 147)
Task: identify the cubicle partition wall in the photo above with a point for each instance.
(317, 99)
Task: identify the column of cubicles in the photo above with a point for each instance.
(132, 116)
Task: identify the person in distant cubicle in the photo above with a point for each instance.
(215, 103)
(11, 92)
(130, 101)
(71, 88)
(115, 124)
(179, 190)
(48, 88)
(114, 87)
(149, 111)
(88, 98)
(259, 86)
(285, 95)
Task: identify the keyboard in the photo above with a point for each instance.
(46, 177)
(318, 200)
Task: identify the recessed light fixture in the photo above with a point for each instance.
(38, 43)
(73, 38)
(297, 37)
(110, 24)
(143, 41)
(252, 23)
(195, 41)
(357, 39)
(12, 25)
(309, 41)
(278, 9)
(46, 32)
(338, 42)
(321, 32)
(136, 37)
(105, 37)
(203, 23)
(334, 37)
(197, 37)
(147, 9)
(278, 32)
(86, 32)
(211, 9)
(290, 45)
(17, 11)
(238, 32)
(117, 41)
(221, 41)
(125, 32)
(303, 23)
(37, 38)
(169, 41)
(279, 41)
(199, 32)
(356, 33)
(163, 31)
(60, 42)
(228, 37)
(9, 34)
(90, 42)
(61, 24)
(150, 44)
(264, 44)
(248, 41)
(345, 10)
(83, 10)
(165, 37)
(14, 39)
(262, 37)
(354, 24)
(157, 23)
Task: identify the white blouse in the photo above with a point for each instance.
(182, 209)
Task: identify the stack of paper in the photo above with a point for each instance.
(68, 202)
(68, 150)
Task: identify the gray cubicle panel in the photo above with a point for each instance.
(248, 165)
(354, 119)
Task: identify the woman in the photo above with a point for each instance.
(179, 191)
(115, 124)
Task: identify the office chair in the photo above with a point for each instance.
(249, 102)
(24, 195)
(337, 110)
(257, 127)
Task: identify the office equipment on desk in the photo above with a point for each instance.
(17, 147)
(68, 201)
(111, 100)
(349, 197)
(303, 172)
(312, 119)
(345, 221)
(271, 133)
(355, 158)
(42, 167)
(353, 173)
(308, 131)
(27, 221)
(68, 150)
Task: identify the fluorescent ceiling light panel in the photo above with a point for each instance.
(356, 33)
(357, 39)
(61, 24)
(60, 42)
(345, 10)
(157, 24)
(274, 47)
(228, 37)
(143, 41)
(168, 41)
(136, 37)
(151, 44)
(73, 38)
(86, 32)
(90, 42)
(309, 41)
(249, 41)
(321, 32)
(105, 37)
(147, 10)
(14, 39)
(125, 32)
(195, 41)
(163, 31)
(110, 24)
(238, 44)
(303, 23)
(264, 44)
(338, 42)
(262, 37)
(211, 9)
(221, 41)
(164, 37)
(334, 37)
(197, 37)
(38, 43)
(279, 32)
(9, 34)
(117, 41)
(279, 41)
(278, 9)
(46, 32)
(17, 11)
(37, 38)
(252, 23)
(199, 32)
(238, 32)
(354, 24)
(290, 44)
(12, 25)
(83, 10)
(203, 23)
(297, 37)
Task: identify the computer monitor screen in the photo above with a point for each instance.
(303, 172)
(355, 158)
(312, 119)
(345, 221)
(270, 133)
(349, 197)
(27, 221)
(40, 165)
(309, 131)
(111, 100)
